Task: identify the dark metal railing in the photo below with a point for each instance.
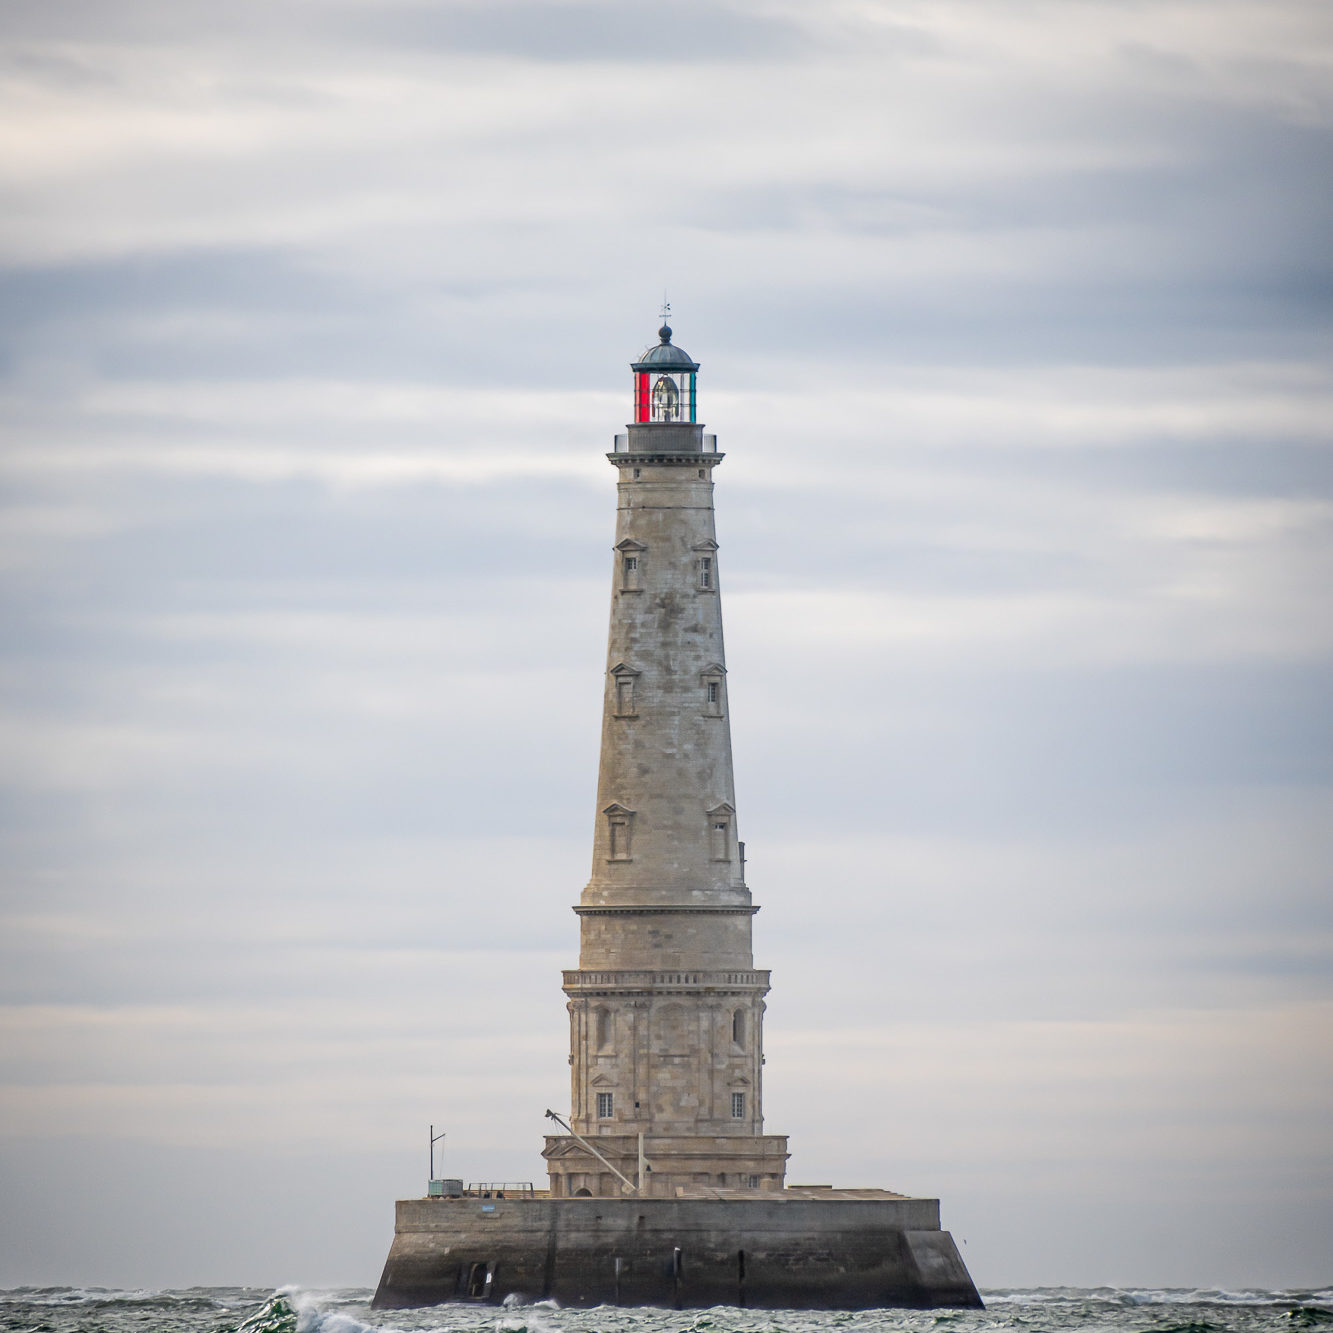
(498, 1189)
(622, 444)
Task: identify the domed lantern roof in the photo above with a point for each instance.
(665, 356)
(664, 383)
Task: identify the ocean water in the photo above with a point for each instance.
(1035, 1310)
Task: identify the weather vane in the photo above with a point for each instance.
(666, 308)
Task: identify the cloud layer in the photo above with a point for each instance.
(1014, 323)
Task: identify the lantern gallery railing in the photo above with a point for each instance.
(709, 444)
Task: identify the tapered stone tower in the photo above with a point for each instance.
(666, 1007)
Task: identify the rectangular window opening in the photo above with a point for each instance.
(720, 838)
(605, 1103)
(738, 1106)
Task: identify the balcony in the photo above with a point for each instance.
(709, 445)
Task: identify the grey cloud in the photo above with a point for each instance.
(257, 313)
(270, 313)
(572, 30)
(1040, 753)
(140, 1184)
(1234, 468)
(579, 31)
(286, 733)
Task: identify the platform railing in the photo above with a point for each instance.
(621, 445)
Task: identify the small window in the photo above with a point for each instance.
(638, 474)
(737, 1106)
(618, 826)
(631, 569)
(605, 1104)
(738, 1027)
(706, 571)
(603, 1029)
(754, 1182)
(624, 695)
(701, 474)
(712, 683)
(719, 838)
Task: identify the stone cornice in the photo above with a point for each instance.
(621, 459)
(607, 982)
(665, 909)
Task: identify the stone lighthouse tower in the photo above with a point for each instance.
(666, 1007)
(665, 1190)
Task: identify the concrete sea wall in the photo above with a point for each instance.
(772, 1253)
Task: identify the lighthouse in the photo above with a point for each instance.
(664, 1188)
(666, 1006)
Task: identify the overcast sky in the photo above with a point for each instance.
(1014, 319)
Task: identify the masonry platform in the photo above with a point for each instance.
(795, 1248)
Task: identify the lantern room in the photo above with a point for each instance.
(664, 384)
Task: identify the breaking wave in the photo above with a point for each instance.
(347, 1310)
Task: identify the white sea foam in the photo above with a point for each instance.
(79, 1295)
(313, 1314)
(296, 1309)
(1147, 1296)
